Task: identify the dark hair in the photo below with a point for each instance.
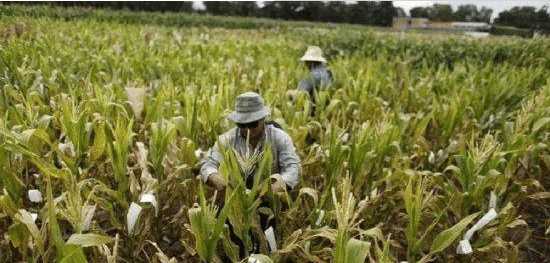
(313, 64)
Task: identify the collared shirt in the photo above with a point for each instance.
(319, 77)
(285, 160)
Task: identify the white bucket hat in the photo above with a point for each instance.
(249, 107)
(313, 53)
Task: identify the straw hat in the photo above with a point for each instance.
(249, 107)
(314, 53)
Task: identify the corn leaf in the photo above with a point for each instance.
(446, 238)
(357, 251)
(89, 240)
(72, 254)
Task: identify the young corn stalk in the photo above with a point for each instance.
(478, 170)
(242, 211)
(417, 199)
(163, 133)
(448, 116)
(337, 153)
(77, 132)
(74, 208)
(207, 225)
(120, 139)
(371, 147)
(208, 119)
(347, 248)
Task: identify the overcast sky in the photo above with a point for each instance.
(497, 5)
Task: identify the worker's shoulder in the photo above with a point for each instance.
(228, 136)
(278, 133)
(321, 73)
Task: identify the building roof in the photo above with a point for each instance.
(470, 24)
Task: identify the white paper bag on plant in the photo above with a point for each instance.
(35, 196)
(132, 216)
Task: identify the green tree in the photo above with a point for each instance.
(466, 13)
(245, 8)
(420, 12)
(484, 15)
(219, 7)
(525, 17)
(441, 12)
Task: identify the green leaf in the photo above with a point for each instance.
(26, 135)
(540, 123)
(374, 232)
(45, 121)
(7, 205)
(452, 168)
(26, 218)
(446, 238)
(12, 183)
(73, 254)
(357, 251)
(98, 148)
(53, 226)
(18, 235)
(89, 240)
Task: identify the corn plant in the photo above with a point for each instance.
(207, 227)
(347, 248)
(243, 208)
(478, 170)
(74, 124)
(416, 200)
(163, 132)
(120, 138)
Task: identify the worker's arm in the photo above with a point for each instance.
(211, 162)
(306, 85)
(289, 162)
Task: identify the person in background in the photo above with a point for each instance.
(319, 77)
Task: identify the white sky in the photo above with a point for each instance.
(198, 5)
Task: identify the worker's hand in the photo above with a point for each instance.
(292, 95)
(278, 186)
(217, 181)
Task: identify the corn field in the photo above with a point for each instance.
(103, 124)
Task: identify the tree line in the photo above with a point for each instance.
(445, 13)
(526, 17)
(366, 13)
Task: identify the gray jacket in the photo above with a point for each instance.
(319, 78)
(285, 160)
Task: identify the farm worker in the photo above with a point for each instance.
(249, 115)
(320, 77)
(252, 133)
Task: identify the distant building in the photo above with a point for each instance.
(440, 25)
(406, 22)
(403, 23)
(477, 34)
(471, 26)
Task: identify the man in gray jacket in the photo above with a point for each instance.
(250, 135)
